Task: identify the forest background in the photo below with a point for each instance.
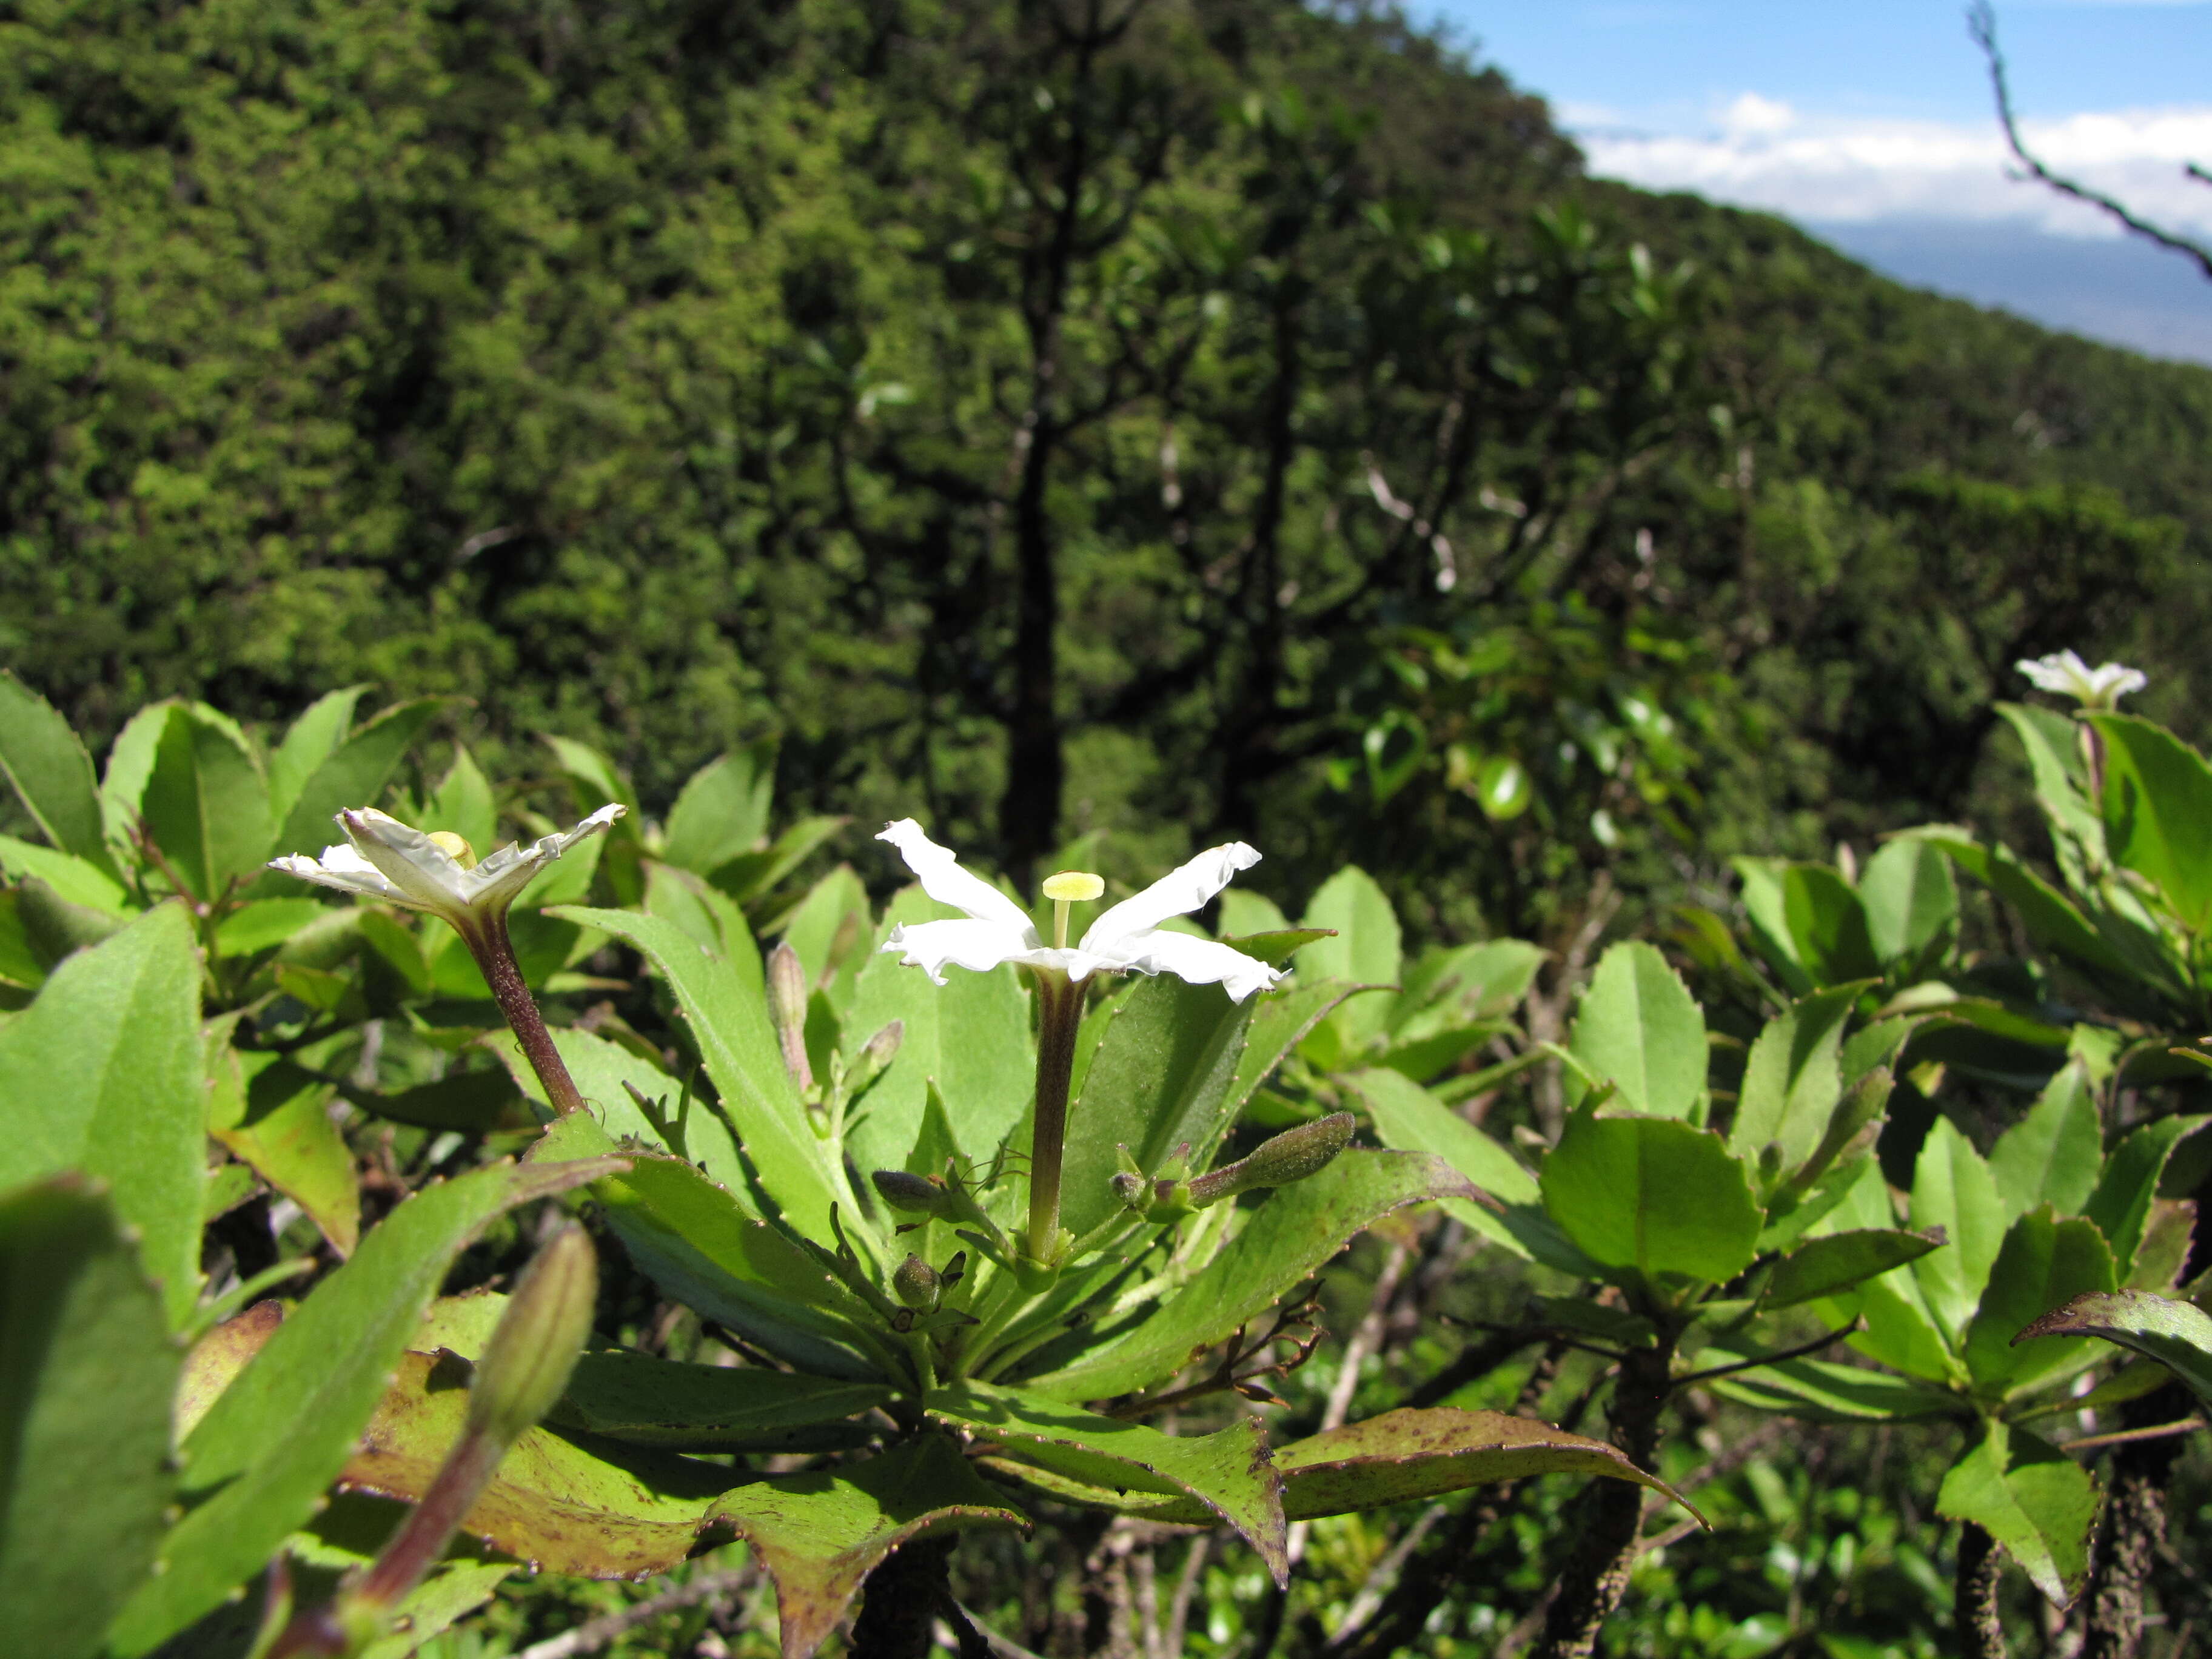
(1205, 418)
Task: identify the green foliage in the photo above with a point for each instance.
(86, 1388)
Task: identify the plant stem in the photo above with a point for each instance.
(1974, 1614)
(1596, 1574)
(1059, 1014)
(2133, 1532)
(494, 954)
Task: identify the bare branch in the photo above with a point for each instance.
(1982, 24)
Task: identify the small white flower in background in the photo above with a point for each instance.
(1125, 939)
(383, 859)
(2065, 675)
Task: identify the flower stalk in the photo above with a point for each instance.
(1059, 1016)
(524, 1369)
(494, 951)
(439, 874)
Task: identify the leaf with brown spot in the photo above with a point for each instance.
(1227, 1475)
(567, 1504)
(218, 1357)
(820, 1533)
(1396, 1458)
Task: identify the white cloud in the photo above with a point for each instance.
(1766, 154)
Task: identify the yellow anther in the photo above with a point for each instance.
(455, 847)
(1070, 885)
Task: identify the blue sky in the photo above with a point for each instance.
(1869, 121)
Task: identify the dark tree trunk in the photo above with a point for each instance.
(1974, 1614)
(901, 1599)
(1598, 1572)
(2134, 1528)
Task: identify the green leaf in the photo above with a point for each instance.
(2157, 809)
(1244, 912)
(320, 728)
(282, 1126)
(645, 1402)
(1281, 1020)
(1809, 921)
(1653, 1195)
(2053, 744)
(1822, 1391)
(723, 810)
(86, 1372)
(1161, 1078)
(819, 1535)
(833, 931)
(2034, 1499)
(206, 804)
(751, 876)
(729, 1021)
(1792, 1079)
(130, 763)
(46, 764)
(1408, 1117)
(2044, 1261)
(595, 781)
(1407, 1454)
(71, 879)
(1287, 1237)
(1229, 1471)
(102, 1074)
(1471, 981)
(1399, 1457)
(1911, 901)
(563, 1503)
(260, 1459)
(354, 774)
(604, 1074)
(464, 804)
(971, 1034)
(700, 1244)
(2125, 1191)
(1366, 950)
(1836, 1261)
(1639, 1027)
(1953, 1189)
(2052, 1155)
(2177, 1334)
(265, 923)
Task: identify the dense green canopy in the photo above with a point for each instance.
(1044, 418)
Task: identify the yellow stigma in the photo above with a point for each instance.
(454, 847)
(1064, 889)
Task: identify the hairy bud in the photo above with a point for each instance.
(917, 1194)
(877, 1052)
(1289, 1157)
(526, 1363)
(786, 1007)
(917, 1285)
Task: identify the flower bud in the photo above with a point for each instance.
(915, 1193)
(1289, 1157)
(1161, 1199)
(786, 1007)
(525, 1365)
(917, 1285)
(876, 1053)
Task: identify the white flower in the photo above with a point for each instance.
(2067, 676)
(1125, 939)
(382, 858)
